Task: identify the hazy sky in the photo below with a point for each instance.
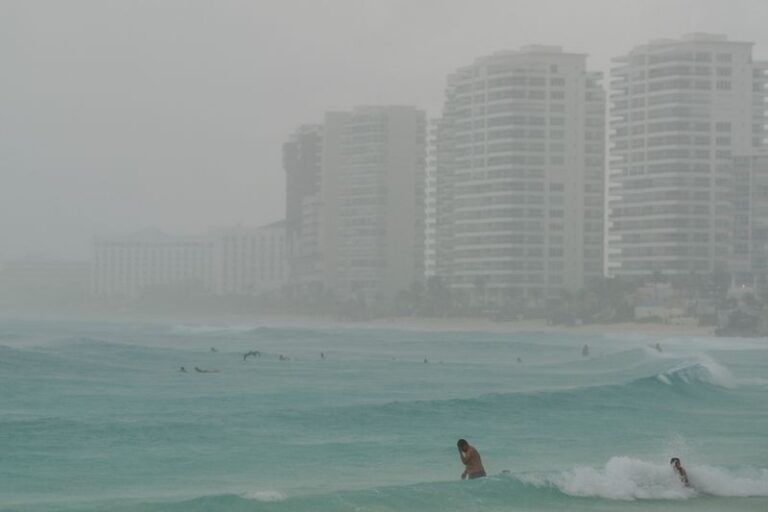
(118, 115)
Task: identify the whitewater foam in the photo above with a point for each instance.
(622, 478)
(742, 482)
(701, 368)
(267, 495)
(625, 478)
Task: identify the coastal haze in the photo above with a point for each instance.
(282, 255)
(117, 117)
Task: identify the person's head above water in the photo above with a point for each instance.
(674, 461)
(462, 444)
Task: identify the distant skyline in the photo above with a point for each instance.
(115, 116)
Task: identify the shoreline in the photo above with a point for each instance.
(435, 324)
(486, 325)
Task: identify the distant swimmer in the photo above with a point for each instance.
(585, 350)
(200, 370)
(520, 360)
(283, 358)
(680, 470)
(322, 355)
(658, 346)
(254, 353)
(425, 360)
(473, 465)
(213, 349)
(183, 370)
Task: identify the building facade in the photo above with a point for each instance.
(439, 201)
(227, 261)
(127, 267)
(358, 230)
(430, 205)
(302, 162)
(520, 176)
(680, 111)
(373, 186)
(748, 263)
(250, 261)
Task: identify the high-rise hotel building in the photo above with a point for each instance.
(519, 162)
(361, 220)
(439, 201)
(302, 162)
(680, 111)
(748, 263)
(377, 163)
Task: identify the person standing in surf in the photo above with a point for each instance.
(470, 457)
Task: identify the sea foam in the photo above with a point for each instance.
(702, 368)
(267, 495)
(626, 478)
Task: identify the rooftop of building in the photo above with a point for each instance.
(686, 40)
(149, 235)
(530, 58)
(243, 229)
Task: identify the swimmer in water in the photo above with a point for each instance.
(680, 470)
(585, 350)
(473, 465)
(183, 370)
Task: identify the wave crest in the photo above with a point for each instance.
(270, 495)
(625, 478)
(702, 369)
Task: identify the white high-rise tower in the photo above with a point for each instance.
(680, 111)
(519, 176)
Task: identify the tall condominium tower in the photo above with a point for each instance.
(680, 111)
(372, 194)
(430, 205)
(749, 260)
(520, 176)
(439, 201)
(302, 162)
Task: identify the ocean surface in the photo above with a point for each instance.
(98, 417)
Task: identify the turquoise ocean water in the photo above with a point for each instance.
(98, 417)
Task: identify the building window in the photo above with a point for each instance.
(723, 85)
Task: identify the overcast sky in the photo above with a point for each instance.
(119, 115)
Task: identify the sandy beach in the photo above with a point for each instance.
(485, 325)
(405, 323)
(446, 324)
